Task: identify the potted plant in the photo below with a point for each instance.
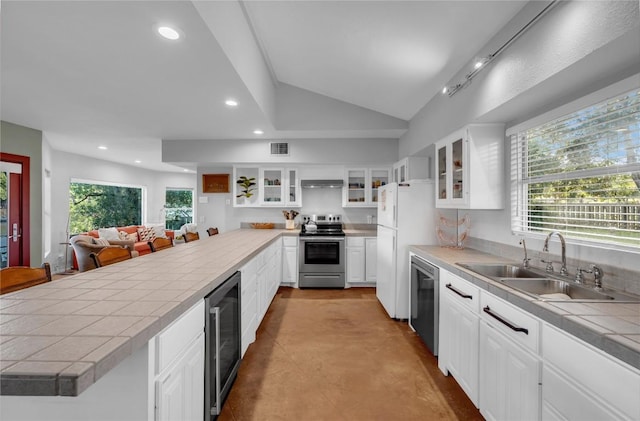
(247, 185)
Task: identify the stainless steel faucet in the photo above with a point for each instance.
(525, 261)
(563, 269)
(597, 277)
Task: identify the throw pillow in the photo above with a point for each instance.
(109, 234)
(146, 234)
(101, 241)
(125, 236)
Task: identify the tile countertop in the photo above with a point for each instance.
(60, 337)
(611, 327)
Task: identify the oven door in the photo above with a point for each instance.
(322, 254)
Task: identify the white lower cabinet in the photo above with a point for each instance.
(177, 356)
(180, 390)
(580, 382)
(361, 259)
(459, 322)
(509, 378)
(289, 261)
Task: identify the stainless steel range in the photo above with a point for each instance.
(322, 252)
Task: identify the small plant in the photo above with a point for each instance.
(247, 186)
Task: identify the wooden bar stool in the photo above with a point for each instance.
(18, 277)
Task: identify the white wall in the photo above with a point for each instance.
(66, 166)
(577, 48)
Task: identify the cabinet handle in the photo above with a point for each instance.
(504, 321)
(457, 291)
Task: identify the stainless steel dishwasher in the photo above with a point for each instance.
(424, 302)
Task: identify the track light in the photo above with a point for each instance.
(484, 61)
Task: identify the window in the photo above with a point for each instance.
(178, 208)
(94, 206)
(580, 174)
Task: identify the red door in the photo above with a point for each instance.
(14, 210)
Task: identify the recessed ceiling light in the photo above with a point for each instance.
(231, 103)
(137, 161)
(168, 33)
(258, 131)
(478, 64)
(104, 148)
(185, 170)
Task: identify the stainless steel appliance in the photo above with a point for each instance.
(424, 302)
(322, 252)
(222, 344)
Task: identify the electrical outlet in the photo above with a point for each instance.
(202, 219)
(227, 202)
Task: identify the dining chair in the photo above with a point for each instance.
(110, 255)
(15, 278)
(212, 231)
(191, 236)
(160, 244)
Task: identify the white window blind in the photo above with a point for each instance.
(580, 174)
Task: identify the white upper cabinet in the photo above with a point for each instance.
(410, 168)
(470, 168)
(274, 187)
(361, 186)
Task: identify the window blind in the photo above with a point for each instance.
(580, 174)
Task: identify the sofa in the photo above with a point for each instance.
(130, 237)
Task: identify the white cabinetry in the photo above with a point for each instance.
(459, 329)
(289, 261)
(469, 168)
(509, 363)
(178, 356)
(371, 259)
(410, 168)
(361, 259)
(581, 382)
(274, 187)
(361, 186)
(249, 304)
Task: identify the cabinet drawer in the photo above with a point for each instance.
(355, 241)
(173, 340)
(460, 291)
(511, 321)
(290, 241)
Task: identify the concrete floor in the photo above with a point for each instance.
(336, 355)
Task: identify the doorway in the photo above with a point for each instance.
(14, 210)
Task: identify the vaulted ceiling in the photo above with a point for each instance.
(90, 73)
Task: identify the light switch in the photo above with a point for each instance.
(203, 199)
(228, 201)
(201, 219)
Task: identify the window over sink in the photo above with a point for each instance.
(579, 173)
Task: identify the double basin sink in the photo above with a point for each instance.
(541, 286)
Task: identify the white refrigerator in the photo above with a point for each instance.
(406, 216)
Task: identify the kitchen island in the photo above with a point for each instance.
(59, 338)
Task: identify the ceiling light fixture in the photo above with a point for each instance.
(104, 148)
(231, 103)
(137, 161)
(484, 61)
(168, 33)
(258, 131)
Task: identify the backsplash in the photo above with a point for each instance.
(614, 276)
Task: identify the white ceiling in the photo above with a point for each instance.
(94, 72)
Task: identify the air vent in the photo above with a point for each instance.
(280, 149)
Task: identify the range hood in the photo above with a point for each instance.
(322, 184)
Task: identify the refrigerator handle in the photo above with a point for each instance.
(394, 216)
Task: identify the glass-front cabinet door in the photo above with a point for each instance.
(293, 188)
(451, 172)
(379, 178)
(356, 182)
(272, 186)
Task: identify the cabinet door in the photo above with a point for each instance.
(290, 265)
(452, 167)
(509, 378)
(292, 193)
(355, 264)
(377, 177)
(355, 190)
(180, 390)
(462, 348)
(371, 264)
(272, 187)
